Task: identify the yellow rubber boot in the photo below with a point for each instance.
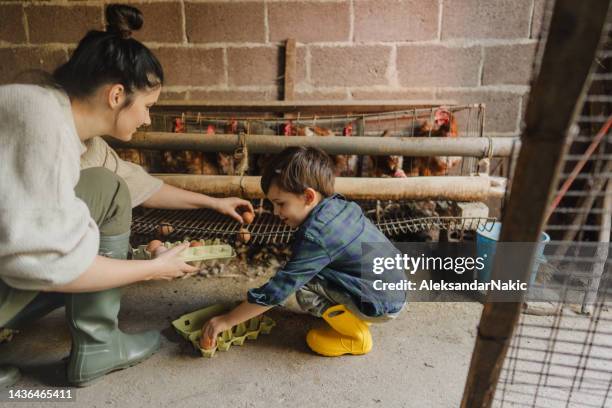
(347, 334)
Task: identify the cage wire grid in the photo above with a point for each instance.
(470, 120)
(562, 355)
(416, 122)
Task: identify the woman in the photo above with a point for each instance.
(56, 220)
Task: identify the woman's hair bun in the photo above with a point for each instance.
(122, 19)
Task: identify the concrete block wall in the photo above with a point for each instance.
(466, 50)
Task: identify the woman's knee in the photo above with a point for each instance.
(108, 199)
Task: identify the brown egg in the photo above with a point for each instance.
(164, 229)
(196, 243)
(248, 217)
(153, 245)
(243, 235)
(206, 342)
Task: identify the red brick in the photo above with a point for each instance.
(253, 66)
(349, 66)
(486, 19)
(434, 65)
(225, 22)
(62, 24)
(191, 66)
(162, 22)
(396, 20)
(502, 108)
(11, 23)
(508, 64)
(234, 95)
(17, 60)
(308, 21)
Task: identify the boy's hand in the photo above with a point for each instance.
(211, 330)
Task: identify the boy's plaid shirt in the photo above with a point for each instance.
(329, 244)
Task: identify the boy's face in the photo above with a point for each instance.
(293, 208)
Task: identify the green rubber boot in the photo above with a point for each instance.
(9, 375)
(98, 346)
(40, 306)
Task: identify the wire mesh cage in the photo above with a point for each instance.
(441, 121)
(561, 351)
(393, 218)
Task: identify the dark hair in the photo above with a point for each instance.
(297, 168)
(111, 56)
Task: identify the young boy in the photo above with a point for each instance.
(325, 271)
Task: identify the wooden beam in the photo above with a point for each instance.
(290, 70)
(556, 96)
(456, 188)
(366, 145)
(317, 107)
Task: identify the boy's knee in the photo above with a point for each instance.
(108, 199)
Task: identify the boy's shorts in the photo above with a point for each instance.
(317, 296)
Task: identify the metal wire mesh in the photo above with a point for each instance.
(447, 121)
(561, 351)
(396, 219)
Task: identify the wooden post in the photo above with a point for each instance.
(557, 94)
(290, 69)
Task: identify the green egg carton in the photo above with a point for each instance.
(189, 326)
(196, 256)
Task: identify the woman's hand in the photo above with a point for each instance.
(171, 265)
(211, 330)
(229, 206)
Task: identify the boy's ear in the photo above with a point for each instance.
(310, 195)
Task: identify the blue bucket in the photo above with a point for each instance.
(486, 242)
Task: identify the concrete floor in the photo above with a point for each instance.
(419, 360)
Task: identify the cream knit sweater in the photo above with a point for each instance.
(47, 236)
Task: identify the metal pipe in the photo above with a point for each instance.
(365, 145)
(457, 188)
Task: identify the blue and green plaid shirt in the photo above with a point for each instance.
(329, 244)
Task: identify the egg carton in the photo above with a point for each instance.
(189, 326)
(196, 256)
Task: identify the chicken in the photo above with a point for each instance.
(188, 161)
(444, 125)
(344, 165)
(384, 166)
(131, 155)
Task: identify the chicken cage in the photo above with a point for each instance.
(412, 170)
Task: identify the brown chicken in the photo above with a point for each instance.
(384, 166)
(444, 125)
(344, 165)
(188, 161)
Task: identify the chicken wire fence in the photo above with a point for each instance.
(561, 351)
(447, 121)
(393, 218)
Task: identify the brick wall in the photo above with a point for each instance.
(466, 50)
